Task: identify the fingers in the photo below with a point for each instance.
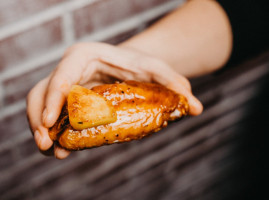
(120, 74)
(71, 70)
(130, 62)
(78, 66)
(178, 85)
(47, 98)
(54, 103)
(137, 63)
(42, 138)
(163, 74)
(196, 106)
(60, 153)
(35, 104)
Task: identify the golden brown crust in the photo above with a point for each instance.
(142, 108)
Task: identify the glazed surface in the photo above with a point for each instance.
(141, 109)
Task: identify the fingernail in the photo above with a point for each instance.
(37, 137)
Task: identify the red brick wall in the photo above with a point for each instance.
(33, 36)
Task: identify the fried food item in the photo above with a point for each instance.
(141, 109)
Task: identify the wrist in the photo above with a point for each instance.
(194, 39)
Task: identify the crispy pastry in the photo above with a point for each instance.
(125, 111)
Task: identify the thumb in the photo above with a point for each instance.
(68, 73)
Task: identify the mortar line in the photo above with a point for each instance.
(101, 35)
(12, 109)
(2, 94)
(40, 18)
(68, 29)
(49, 14)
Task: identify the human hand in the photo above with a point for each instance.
(88, 64)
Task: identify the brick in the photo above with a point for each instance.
(103, 13)
(13, 10)
(128, 34)
(31, 43)
(122, 36)
(13, 125)
(17, 88)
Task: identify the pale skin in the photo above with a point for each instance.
(192, 40)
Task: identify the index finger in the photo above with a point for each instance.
(158, 70)
(165, 75)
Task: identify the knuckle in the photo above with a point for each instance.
(81, 46)
(74, 48)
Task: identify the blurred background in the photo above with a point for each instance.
(221, 154)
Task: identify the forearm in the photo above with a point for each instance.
(194, 39)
